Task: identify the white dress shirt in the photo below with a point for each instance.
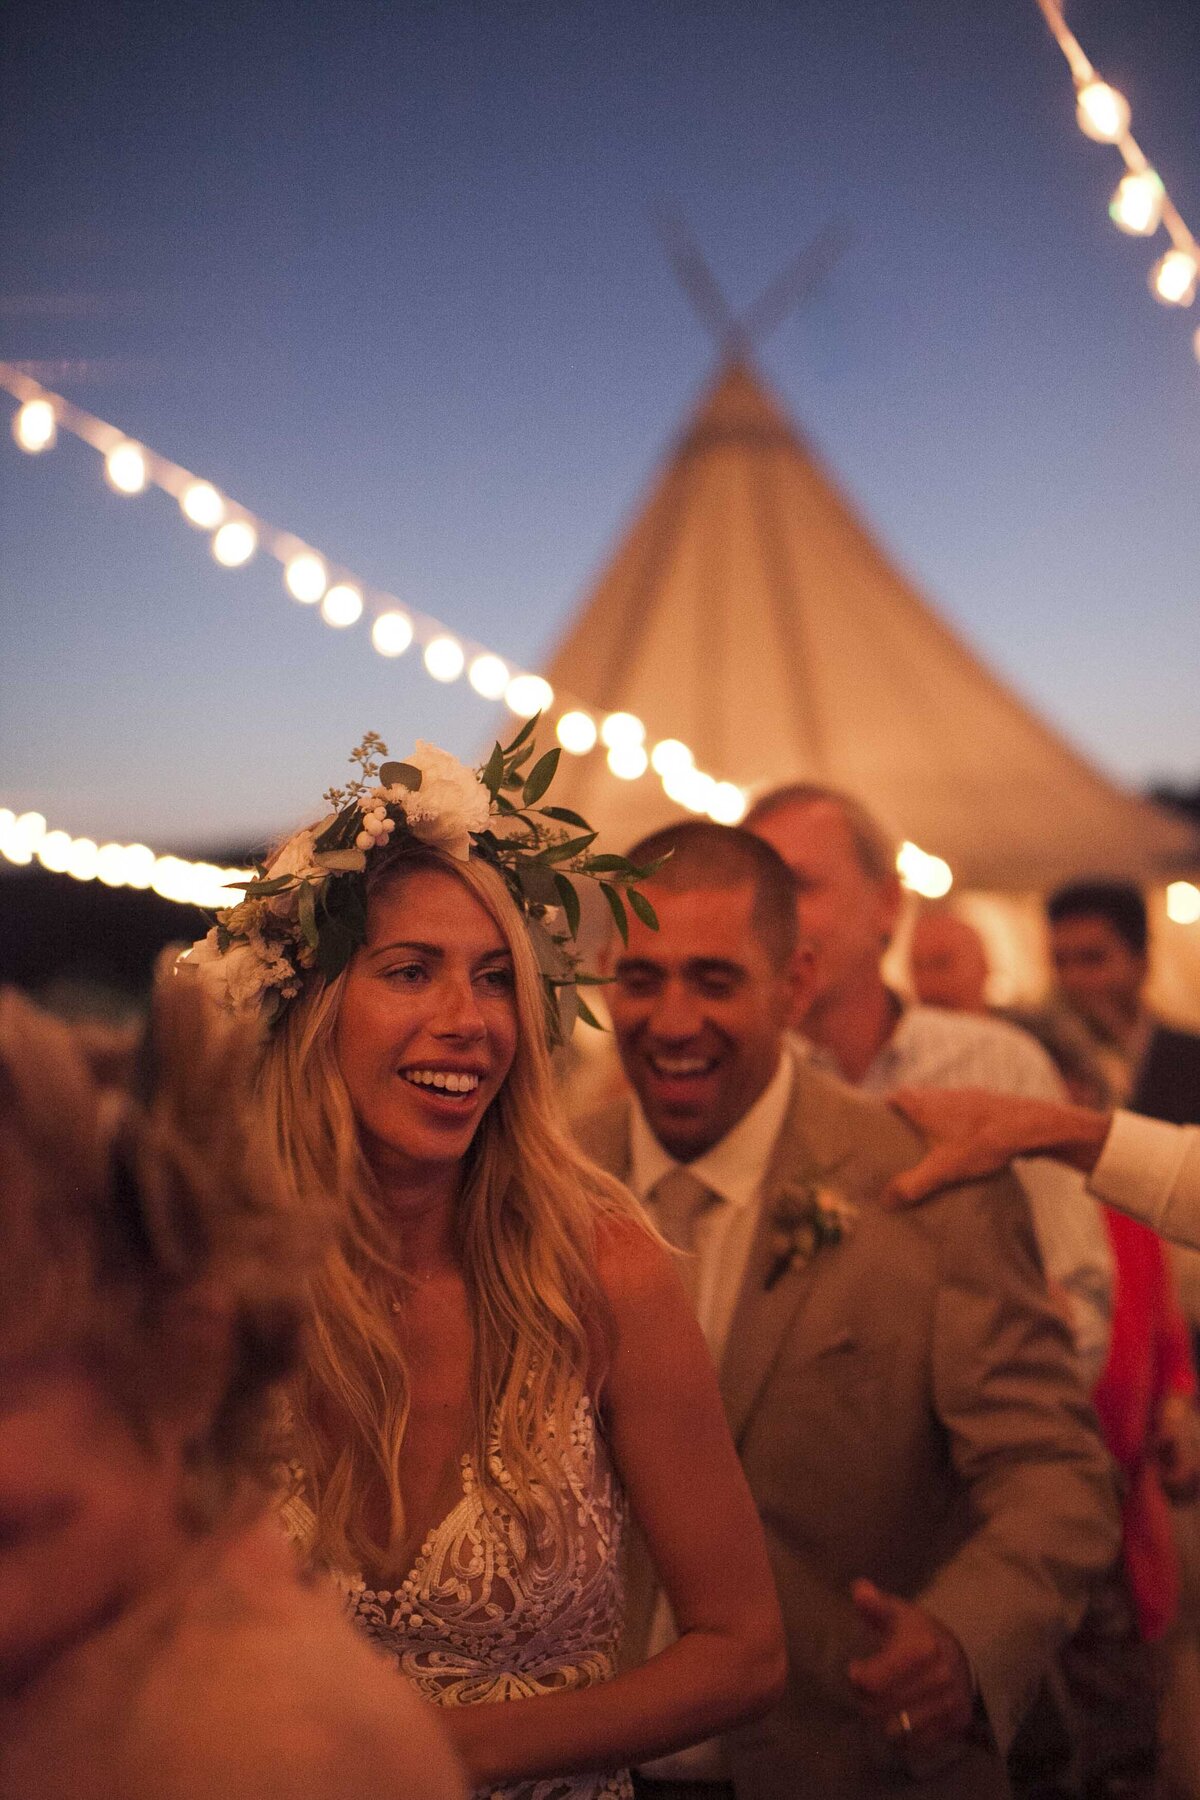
(932, 1047)
(734, 1170)
(1151, 1170)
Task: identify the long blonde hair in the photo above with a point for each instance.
(526, 1222)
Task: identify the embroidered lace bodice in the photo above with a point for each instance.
(490, 1612)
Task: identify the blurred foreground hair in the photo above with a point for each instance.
(145, 1227)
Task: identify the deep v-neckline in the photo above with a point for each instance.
(447, 1503)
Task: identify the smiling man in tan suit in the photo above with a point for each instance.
(903, 1395)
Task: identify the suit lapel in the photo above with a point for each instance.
(809, 1150)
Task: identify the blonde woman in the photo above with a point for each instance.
(156, 1640)
(501, 1354)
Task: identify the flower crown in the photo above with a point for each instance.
(307, 908)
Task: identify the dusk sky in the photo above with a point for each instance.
(388, 275)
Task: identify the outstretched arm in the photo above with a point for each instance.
(1144, 1167)
(672, 1449)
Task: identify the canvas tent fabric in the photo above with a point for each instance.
(750, 612)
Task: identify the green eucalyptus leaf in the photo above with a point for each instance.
(307, 910)
(493, 773)
(540, 776)
(586, 1013)
(263, 890)
(617, 909)
(642, 908)
(400, 774)
(609, 864)
(565, 816)
(569, 901)
(568, 848)
(526, 732)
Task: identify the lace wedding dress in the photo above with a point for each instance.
(488, 1614)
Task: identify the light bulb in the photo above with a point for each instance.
(392, 633)
(670, 757)
(125, 467)
(82, 859)
(1173, 278)
(528, 694)
(139, 866)
(576, 732)
(1136, 206)
(488, 675)
(444, 658)
(727, 805)
(1102, 112)
(622, 729)
(35, 427)
(54, 851)
(1183, 903)
(306, 578)
(629, 761)
(342, 606)
(201, 505)
(235, 543)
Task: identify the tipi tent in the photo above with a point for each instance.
(750, 613)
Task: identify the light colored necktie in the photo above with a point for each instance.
(676, 1203)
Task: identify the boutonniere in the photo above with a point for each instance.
(804, 1221)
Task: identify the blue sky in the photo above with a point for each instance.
(387, 274)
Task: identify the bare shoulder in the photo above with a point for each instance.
(633, 1264)
(269, 1694)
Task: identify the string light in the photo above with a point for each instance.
(25, 838)
(392, 633)
(576, 732)
(1140, 204)
(1173, 278)
(622, 731)
(628, 761)
(235, 543)
(305, 578)
(727, 805)
(342, 606)
(35, 427)
(201, 505)
(1136, 206)
(528, 694)
(1183, 903)
(1102, 112)
(444, 658)
(125, 467)
(489, 675)
(928, 876)
(235, 539)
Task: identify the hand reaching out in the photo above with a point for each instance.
(973, 1133)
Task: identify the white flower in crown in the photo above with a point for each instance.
(239, 977)
(449, 805)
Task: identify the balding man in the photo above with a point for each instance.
(947, 962)
(848, 906)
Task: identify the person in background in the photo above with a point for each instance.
(848, 906)
(156, 1639)
(1099, 945)
(947, 961)
(906, 1407)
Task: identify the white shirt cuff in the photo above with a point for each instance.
(1139, 1167)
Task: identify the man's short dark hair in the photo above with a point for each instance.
(726, 856)
(1118, 903)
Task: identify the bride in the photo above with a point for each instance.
(501, 1358)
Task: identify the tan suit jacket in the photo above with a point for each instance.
(906, 1408)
